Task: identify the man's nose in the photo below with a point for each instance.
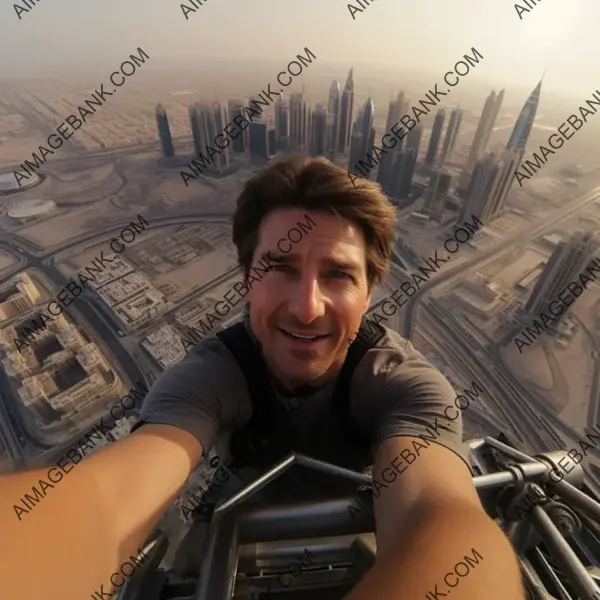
(307, 302)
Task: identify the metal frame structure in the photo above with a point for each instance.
(557, 537)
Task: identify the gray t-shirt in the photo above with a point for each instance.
(394, 391)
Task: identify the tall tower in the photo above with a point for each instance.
(451, 134)
(366, 127)
(436, 135)
(320, 138)
(207, 122)
(356, 149)
(164, 131)
(489, 186)
(569, 259)
(216, 120)
(346, 109)
(480, 187)
(494, 115)
(308, 127)
(333, 110)
(396, 109)
(385, 179)
(197, 129)
(259, 142)
(297, 122)
(437, 191)
(413, 139)
(520, 133)
(236, 108)
(509, 160)
(281, 124)
(404, 167)
(486, 124)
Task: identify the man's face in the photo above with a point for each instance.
(316, 288)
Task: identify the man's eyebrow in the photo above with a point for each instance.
(345, 265)
(270, 257)
(283, 259)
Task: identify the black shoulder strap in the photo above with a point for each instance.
(257, 440)
(366, 338)
(250, 360)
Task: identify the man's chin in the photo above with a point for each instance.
(307, 373)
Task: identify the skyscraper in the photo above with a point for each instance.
(439, 186)
(486, 124)
(384, 177)
(493, 117)
(308, 127)
(356, 149)
(164, 131)
(436, 135)
(259, 142)
(509, 160)
(208, 121)
(413, 139)
(281, 124)
(272, 142)
(489, 186)
(451, 134)
(520, 133)
(298, 123)
(366, 127)
(236, 108)
(196, 127)
(404, 166)
(570, 259)
(516, 148)
(396, 109)
(320, 134)
(480, 187)
(346, 109)
(333, 109)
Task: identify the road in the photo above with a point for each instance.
(522, 235)
(80, 160)
(87, 308)
(542, 424)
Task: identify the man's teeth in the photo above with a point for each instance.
(302, 337)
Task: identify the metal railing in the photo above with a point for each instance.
(553, 526)
(546, 537)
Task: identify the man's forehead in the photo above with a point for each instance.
(300, 228)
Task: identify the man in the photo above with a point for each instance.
(312, 246)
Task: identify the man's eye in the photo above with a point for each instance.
(338, 273)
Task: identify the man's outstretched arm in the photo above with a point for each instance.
(428, 520)
(95, 518)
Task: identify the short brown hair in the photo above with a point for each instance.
(317, 185)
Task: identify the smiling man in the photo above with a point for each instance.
(362, 404)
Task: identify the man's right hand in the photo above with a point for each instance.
(98, 515)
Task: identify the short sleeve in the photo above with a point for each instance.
(203, 394)
(399, 393)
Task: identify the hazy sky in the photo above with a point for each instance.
(428, 35)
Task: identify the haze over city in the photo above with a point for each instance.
(119, 177)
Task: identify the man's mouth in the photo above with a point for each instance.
(303, 337)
